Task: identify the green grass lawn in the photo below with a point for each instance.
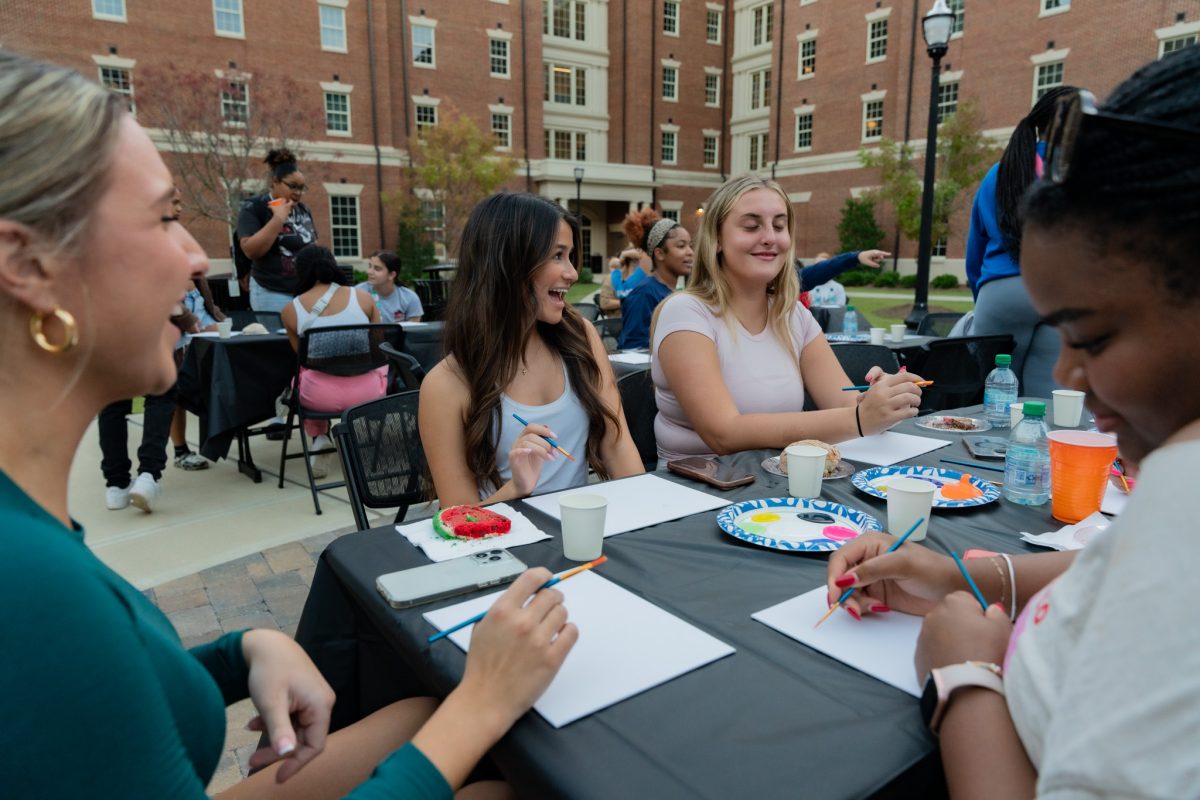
(882, 311)
(579, 291)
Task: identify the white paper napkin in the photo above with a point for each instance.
(421, 534)
(1070, 537)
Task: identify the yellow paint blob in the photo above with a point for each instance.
(765, 518)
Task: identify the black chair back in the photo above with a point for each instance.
(958, 367)
(382, 457)
(405, 372)
(857, 359)
(938, 324)
(821, 315)
(347, 349)
(434, 294)
(637, 401)
(243, 317)
(609, 329)
(589, 311)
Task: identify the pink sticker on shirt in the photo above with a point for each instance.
(1038, 606)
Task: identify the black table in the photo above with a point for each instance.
(776, 719)
(231, 384)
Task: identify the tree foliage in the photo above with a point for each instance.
(858, 228)
(963, 158)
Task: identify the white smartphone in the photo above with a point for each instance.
(410, 587)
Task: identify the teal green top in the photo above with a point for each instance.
(99, 698)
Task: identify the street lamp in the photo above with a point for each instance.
(578, 190)
(936, 27)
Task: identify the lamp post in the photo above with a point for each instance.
(578, 190)
(936, 27)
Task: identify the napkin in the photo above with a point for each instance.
(1070, 537)
(422, 535)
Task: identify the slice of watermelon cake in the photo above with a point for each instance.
(470, 522)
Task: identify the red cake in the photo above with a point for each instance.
(470, 522)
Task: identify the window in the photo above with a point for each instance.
(563, 84)
(947, 102)
(112, 10)
(1046, 77)
(760, 89)
(762, 24)
(343, 222)
(710, 150)
(119, 81)
(337, 113)
(1167, 46)
(426, 117)
(670, 83)
(227, 18)
(566, 145)
(671, 214)
(671, 17)
(585, 238)
(939, 248)
(333, 28)
(502, 130)
(235, 102)
(808, 58)
(804, 130)
(1055, 6)
(758, 151)
(423, 46)
(498, 54)
(712, 26)
(434, 214)
(872, 119)
(877, 36)
(959, 16)
(712, 89)
(668, 147)
(564, 19)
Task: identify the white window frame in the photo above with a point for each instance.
(424, 101)
(715, 137)
(668, 132)
(758, 143)
(507, 113)
(876, 21)
(670, 25)
(343, 90)
(241, 16)
(1048, 8)
(576, 18)
(806, 38)
(1044, 61)
(959, 7)
(577, 83)
(869, 99)
(938, 249)
(802, 113)
(760, 87)
(945, 81)
(1185, 32)
(427, 24)
(344, 191)
(712, 80)
(762, 24)
(710, 10)
(338, 6)
(576, 140)
(504, 37)
(670, 69)
(225, 82)
(107, 17)
(807, 2)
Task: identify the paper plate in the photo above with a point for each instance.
(843, 469)
(948, 424)
(873, 481)
(779, 524)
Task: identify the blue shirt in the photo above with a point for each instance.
(987, 257)
(636, 311)
(623, 286)
(821, 272)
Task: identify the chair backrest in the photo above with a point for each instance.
(434, 294)
(830, 293)
(958, 367)
(938, 324)
(609, 329)
(637, 400)
(857, 359)
(589, 311)
(405, 372)
(347, 349)
(382, 449)
(821, 315)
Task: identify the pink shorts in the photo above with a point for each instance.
(320, 391)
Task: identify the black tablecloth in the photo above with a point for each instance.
(776, 719)
(233, 383)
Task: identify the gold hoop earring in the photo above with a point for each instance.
(71, 338)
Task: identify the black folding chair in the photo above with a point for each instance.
(609, 329)
(938, 324)
(857, 359)
(344, 350)
(434, 294)
(589, 311)
(404, 371)
(637, 401)
(381, 454)
(958, 367)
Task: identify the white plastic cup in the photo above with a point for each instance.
(806, 467)
(1068, 407)
(909, 499)
(898, 331)
(225, 328)
(1015, 412)
(877, 335)
(583, 525)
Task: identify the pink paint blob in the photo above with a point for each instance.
(839, 533)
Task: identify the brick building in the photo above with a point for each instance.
(657, 100)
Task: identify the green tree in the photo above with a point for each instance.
(963, 158)
(414, 246)
(858, 229)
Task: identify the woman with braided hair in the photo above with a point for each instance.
(669, 246)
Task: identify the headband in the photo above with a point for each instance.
(659, 232)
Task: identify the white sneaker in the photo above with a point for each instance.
(145, 492)
(116, 498)
(320, 463)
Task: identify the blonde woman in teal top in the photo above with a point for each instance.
(100, 699)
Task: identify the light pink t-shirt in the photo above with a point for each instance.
(759, 373)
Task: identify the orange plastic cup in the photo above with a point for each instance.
(1079, 465)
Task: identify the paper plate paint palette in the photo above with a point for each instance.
(789, 523)
(952, 490)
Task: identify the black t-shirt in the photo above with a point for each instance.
(275, 271)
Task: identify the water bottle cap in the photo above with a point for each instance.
(849, 309)
(1033, 408)
(1003, 360)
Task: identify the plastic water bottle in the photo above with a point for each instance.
(1027, 460)
(999, 392)
(850, 321)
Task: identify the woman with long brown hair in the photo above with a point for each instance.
(514, 346)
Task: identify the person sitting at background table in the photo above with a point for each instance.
(669, 246)
(396, 303)
(734, 354)
(88, 235)
(1100, 693)
(515, 346)
(618, 283)
(201, 314)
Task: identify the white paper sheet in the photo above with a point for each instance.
(889, 448)
(637, 502)
(404, 324)
(881, 645)
(1070, 537)
(626, 646)
(1114, 500)
(630, 358)
(422, 535)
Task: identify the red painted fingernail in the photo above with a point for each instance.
(846, 580)
(1000, 606)
(904, 369)
(879, 608)
(852, 612)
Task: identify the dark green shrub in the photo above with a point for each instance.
(856, 277)
(908, 281)
(944, 281)
(857, 229)
(359, 276)
(585, 275)
(887, 279)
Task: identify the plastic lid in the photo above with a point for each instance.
(1033, 408)
(1003, 360)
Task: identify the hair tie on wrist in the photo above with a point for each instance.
(858, 421)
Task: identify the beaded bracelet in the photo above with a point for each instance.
(1012, 581)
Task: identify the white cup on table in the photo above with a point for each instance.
(582, 518)
(1068, 407)
(1015, 412)
(806, 467)
(877, 335)
(225, 328)
(898, 331)
(909, 499)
